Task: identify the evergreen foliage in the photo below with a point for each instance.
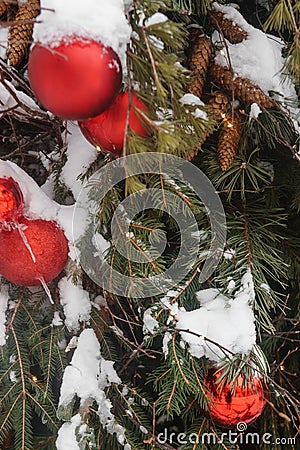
(261, 197)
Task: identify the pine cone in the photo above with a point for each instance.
(198, 60)
(243, 89)
(229, 140)
(232, 32)
(20, 34)
(12, 8)
(193, 153)
(218, 104)
(3, 7)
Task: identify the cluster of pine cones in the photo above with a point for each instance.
(203, 68)
(19, 16)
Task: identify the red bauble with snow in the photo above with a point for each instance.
(49, 248)
(11, 200)
(75, 80)
(229, 406)
(108, 129)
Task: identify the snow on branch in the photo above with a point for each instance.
(229, 322)
(223, 326)
(3, 307)
(18, 104)
(75, 302)
(86, 378)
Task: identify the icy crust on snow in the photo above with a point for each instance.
(229, 322)
(102, 21)
(3, 307)
(258, 57)
(75, 302)
(86, 377)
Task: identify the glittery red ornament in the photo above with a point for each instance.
(49, 248)
(229, 406)
(76, 79)
(107, 130)
(11, 200)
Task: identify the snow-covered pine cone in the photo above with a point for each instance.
(229, 139)
(20, 34)
(198, 60)
(232, 32)
(243, 88)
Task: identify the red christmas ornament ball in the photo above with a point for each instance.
(49, 247)
(75, 80)
(107, 130)
(229, 407)
(11, 200)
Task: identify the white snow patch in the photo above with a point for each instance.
(207, 295)
(156, 19)
(4, 297)
(150, 324)
(200, 114)
(87, 376)
(229, 322)
(258, 57)
(57, 320)
(254, 111)
(169, 304)
(72, 344)
(7, 101)
(67, 434)
(3, 41)
(230, 286)
(49, 187)
(12, 376)
(266, 287)
(229, 253)
(128, 5)
(80, 155)
(75, 302)
(193, 100)
(103, 21)
(158, 43)
(165, 345)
